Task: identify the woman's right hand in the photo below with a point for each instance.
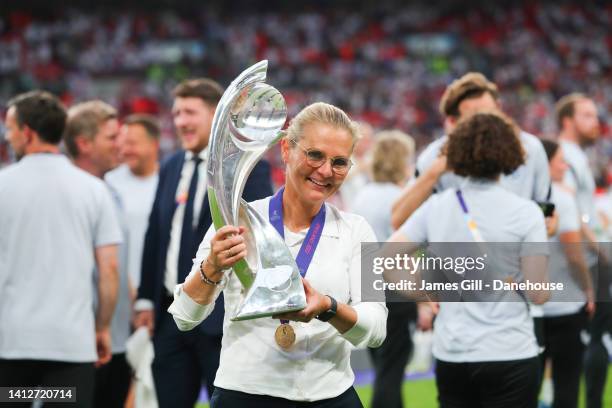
(226, 248)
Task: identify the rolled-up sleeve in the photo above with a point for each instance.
(187, 313)
(370, 329)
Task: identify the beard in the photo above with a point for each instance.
(586, 139)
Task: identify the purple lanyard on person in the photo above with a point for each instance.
(309, 246)
(468, 218)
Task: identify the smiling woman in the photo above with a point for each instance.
(316, 151)
(300, 356)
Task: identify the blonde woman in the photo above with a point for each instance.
(254, 370)
(392, 159)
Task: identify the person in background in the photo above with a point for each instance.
(486, 352)
(90, 137)
(179, 219)
(58, 224)
(471, 93)
(390, 169)
(579, 128)
(136, 181)
(566, 314)
(359, 175)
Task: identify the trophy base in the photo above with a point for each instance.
(274, 291)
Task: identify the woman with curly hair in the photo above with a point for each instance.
(486, 352)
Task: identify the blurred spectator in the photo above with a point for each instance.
(565, 315)
(576, 116)
(136, 181)
(51, 333)
(358, 176)
(91, 136)
(473, 92)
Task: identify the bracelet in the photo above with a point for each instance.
(205, 278)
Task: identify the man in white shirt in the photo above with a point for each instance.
(578, 128)
(58, 224)
(136, 181)
(468, 94)
(179, 219)
(91, 136)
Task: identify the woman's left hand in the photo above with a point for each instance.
(316, 304)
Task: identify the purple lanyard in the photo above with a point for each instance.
(311, 241)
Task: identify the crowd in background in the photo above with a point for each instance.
(390, 69)
(387, 67)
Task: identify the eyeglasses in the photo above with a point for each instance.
(315, 158)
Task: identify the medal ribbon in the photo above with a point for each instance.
(309, 246)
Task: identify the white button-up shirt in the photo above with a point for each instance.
(317, 366)
(174, 246)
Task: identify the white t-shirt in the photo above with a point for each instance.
(120, 325)
(603, 203)
(137, 195)
(317, 366)
(531, 180)
(374, 203)
(52, 217)
(558, 266)
(580, 179)
(483, 331)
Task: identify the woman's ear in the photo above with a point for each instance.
(285, 150)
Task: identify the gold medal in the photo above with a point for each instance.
(284, 336)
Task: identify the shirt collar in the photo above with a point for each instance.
(202, 155)
(480, 183)
(333, 218)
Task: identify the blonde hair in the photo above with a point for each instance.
(565, 107)
(392, 150)
(321, 112)
(84, 119)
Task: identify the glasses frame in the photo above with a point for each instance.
(331, 159)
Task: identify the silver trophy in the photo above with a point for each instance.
(247, 122)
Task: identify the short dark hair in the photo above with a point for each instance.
(550, 147)
(206, 89)
(148, 122)
(485, 145)
(471, 85)
(565, 107)
(42, 112)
